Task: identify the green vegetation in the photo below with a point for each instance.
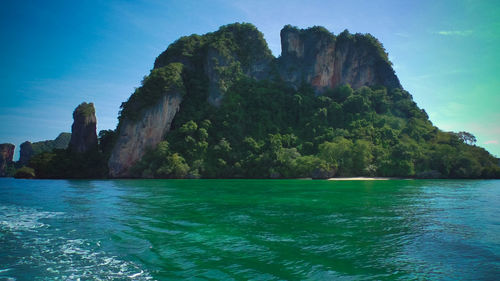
(267, 129)
(240, 42)
(64, 163)
(10, 169)
(61, 142)
(85, 109)
(25, 173)
(367, 40)
(160, 81)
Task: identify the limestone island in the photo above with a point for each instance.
(220, 105)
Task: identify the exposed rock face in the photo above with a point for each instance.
(25, 153)
(6, 155)
(222, 55)
(221, 72)
(317, 57)
(83, 130)
(135, 137)
(215, 60)
(213, 65)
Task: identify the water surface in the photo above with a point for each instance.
(249, 229)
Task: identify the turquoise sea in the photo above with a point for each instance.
(249, 230)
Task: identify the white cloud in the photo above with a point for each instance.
(454, 32)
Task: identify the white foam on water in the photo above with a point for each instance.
(136, 274)
(59, 256)
(16, 219)
(74, 259)
(5, 270)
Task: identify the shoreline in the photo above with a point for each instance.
(366, 179)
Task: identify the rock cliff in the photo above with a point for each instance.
(146, 117)
(83, 130)
(205, 67)
(213, 60)
(222, 55)
(6, 155)
(25, 153)
(135, 137)
(317, 57)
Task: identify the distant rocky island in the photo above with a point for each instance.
(220, 105)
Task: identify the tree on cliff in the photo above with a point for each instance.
(466, 137)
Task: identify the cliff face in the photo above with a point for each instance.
(135, 137)
(317, 57)
(218, 57)
(222, 55)
(83, 130)
(206, 66)
(6, 155)
(25, 153)
(146, 117)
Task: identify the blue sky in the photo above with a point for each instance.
(57, 54)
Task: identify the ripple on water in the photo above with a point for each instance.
(28, 235)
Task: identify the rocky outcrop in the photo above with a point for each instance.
(211, 63)
(83, 130)
(313, 56)
(134, 137)
(25, 153)
(222, 55)
(28, 149)
(218, 68)
(317, 57)
(6, 155)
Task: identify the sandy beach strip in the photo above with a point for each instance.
(361, 179)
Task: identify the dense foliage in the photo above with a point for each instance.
(241, 42)
(85, 109)
(61, 142)
(64, 163)
(25, 173)
(267, 129)
(160, 81)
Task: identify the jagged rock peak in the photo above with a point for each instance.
(83, 130)
(313, 55)
(320, 58)
(6, 155)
